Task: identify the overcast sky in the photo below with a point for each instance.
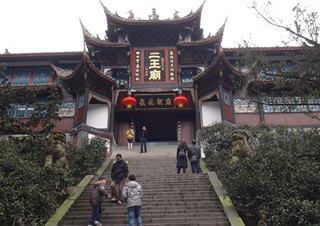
(29, 26)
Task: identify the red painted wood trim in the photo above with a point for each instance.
(31, 76)
(51, 77)
(76, 140)
(12, 74)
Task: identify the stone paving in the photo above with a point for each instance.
(169, 198)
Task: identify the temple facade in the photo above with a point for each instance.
(162, 74)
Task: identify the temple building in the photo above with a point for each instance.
(161, 73)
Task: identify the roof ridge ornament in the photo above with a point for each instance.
(154, 15)
(175, 15)
(131, 15)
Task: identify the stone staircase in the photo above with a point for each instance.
(169, 198)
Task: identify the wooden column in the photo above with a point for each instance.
(221, 102)
(85, 105)
(197, 111)
(112, 113)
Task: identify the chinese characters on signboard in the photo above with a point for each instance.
(154, 65)
(137, 65)
(154, 101)
(171, 65)
(154, 69)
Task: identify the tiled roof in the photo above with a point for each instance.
(97, 41)
(55, 54)
(118, 19)
(216, 63)
(62, 73)
(66, 74)
(274, 48)
(210, 39)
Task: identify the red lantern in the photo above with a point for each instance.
(180, 101)
(129, 102)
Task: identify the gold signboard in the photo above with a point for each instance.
(160, 101)
(154, 67)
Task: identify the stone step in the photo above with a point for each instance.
(163, 198)
(117, 207)
(148, 221)
(109, 217)
(202, 223)
(168, 198)
(173, 203)
(153, 211)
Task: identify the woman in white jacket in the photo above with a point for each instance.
(132, 192)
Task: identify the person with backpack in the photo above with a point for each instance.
(182, 162)
(194, 156)
(96, 199)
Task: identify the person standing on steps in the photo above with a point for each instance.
(182, 162)
(132, 192)
(96, 199)
(119, 173)
(143, 139)
(194, 156)
(130, 136)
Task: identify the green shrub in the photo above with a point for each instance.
(280, 184)
(86, 158)
(28, 189)
(33, 191)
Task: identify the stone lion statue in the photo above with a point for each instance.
(240, 147)
(58, 153)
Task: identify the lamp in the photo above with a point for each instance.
(129, 102)
(180, 101)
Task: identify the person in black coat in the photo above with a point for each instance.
(194, 156)
(119, 173)
(182, 161)
(143, 139)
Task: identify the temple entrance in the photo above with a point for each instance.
(161, 126)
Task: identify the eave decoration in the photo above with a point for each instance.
(180, 101)
(129, 102)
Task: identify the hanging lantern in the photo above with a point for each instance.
(129, 102)
(180, 101)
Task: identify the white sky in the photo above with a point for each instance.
(29, 26)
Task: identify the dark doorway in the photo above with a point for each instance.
(161, 126)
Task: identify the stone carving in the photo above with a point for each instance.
(58, 153)
(240, 147)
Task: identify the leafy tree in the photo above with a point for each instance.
(294, 79)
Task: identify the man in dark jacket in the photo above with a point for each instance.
(96, 199)
(143, 139)
(194, 156)
(119, 173)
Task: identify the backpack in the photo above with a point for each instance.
(182, 153)
(193, 158)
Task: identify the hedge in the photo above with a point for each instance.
(30, 191)
(280, 184)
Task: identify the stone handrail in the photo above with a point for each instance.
(231, 213)
(66, 205)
